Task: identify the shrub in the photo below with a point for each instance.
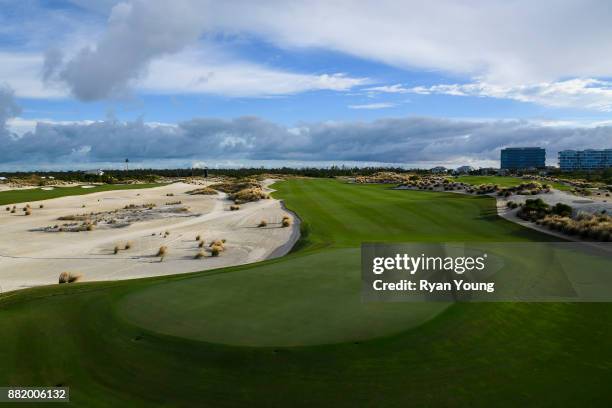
(13, 211)
(215, 250)
(200, 254)
(561, 209)
(89, 227)
(201, 244)
(8, 208)
(69, 277)
(28, 212)
(198, 237)
(116, 249)
(248, 195)
(202, 191)
(170, 195)
(262, 224)
(234, 207)
(217, 243)
(41, 206)
(286, 222)
(162, 251)
(128, 245)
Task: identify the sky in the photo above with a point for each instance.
(87, 83)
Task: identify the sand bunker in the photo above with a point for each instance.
(33, 250)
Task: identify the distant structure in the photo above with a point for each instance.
(95, 172)
(464, 170)
(127, 164)
(585, 160)
(438, 170)
(2, 179)
(523, 158)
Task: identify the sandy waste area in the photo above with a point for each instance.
(36, 248)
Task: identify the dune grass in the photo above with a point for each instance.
(38, 194)
(121, 343)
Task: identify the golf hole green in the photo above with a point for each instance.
(299, 301)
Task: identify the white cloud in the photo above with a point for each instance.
(210, 71)
(518, 42)
(372, 106)
(22, 71)
(575, 93)
(392, 89)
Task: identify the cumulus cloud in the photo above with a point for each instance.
(8, 110)
(138, 31)
(403, 140)
(577, 93)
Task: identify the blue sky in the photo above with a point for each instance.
(305, 65)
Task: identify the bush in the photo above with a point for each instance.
(41, 206)
(215, 250)
(286, 221)
(234, 207)
(8, 208)
(162, 251)
(248, 195)
(262, 223)
(128, 245)
(200, 255)
(69, 277)
(198, 237)
(28, 212)
(116, 249)
(202, 191)
(561, 209)
(200, 244)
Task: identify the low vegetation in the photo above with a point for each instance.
(202, 191)
(262, 223)
(69, 277)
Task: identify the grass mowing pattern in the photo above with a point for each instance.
(38, 194)
(287, 299)
(470, 355)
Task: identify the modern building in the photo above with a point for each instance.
(438, 170)
(585, 160)
(464, 170)
(522, 158)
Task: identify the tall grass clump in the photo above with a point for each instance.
(286, 221)
(69, 277)
(162, 251)
(262, 223)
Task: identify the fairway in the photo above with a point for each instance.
(38, 194)
(226, 337)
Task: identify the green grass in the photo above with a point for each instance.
(172, 341)
(38, 194)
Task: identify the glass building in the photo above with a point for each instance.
(585, 160)
(516, 158)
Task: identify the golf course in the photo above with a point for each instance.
(293, 331)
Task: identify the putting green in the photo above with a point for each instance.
(311, 299)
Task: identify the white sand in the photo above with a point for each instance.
(31, 258)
